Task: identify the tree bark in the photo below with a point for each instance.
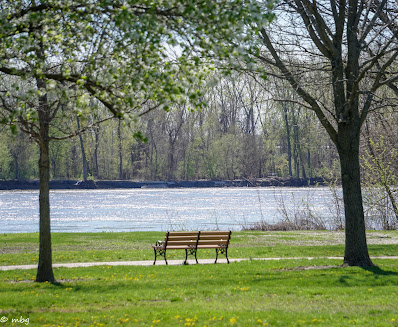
(356, 250)
(44, 271)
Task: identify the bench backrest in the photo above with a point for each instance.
(193, 239)
(220, 238)
(181, 238)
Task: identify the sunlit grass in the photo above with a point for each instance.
(253, 293)
(22, 249)
(294, 292)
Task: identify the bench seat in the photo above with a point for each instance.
(192, 241)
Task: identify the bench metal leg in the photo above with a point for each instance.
(222, 250)
(186, 257)
(161, 253)
(190, 252)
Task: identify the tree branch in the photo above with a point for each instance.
(303, 94)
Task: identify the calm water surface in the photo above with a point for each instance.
(157, 209)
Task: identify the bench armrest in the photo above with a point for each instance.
(159, 243)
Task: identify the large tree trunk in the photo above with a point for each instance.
(44, 271)
(348, 136)
(356, 250)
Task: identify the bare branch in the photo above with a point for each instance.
(303, 94)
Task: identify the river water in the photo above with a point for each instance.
(160, 209)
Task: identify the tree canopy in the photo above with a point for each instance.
(60, 58)
(123, 53)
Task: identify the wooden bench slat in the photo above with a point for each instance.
(187, 238)
(214, 233)
(183, 234)
(186, 243)
(174, 247)
(219, 242)
(213, 238)
(207, 247)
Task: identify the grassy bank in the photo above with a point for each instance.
(292, 292)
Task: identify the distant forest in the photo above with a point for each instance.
(247, 129)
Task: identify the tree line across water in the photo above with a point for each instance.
(241, 132)
(246, 130)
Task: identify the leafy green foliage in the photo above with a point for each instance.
(132, 56)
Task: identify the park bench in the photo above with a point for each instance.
(192, 241)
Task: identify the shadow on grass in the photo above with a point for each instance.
(378, 271)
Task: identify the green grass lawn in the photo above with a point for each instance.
(20, 249)
(293, 292)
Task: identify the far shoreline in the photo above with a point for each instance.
(126, 184)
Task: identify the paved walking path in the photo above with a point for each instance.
(171, 262)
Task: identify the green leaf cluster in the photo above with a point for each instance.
(131, 56)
